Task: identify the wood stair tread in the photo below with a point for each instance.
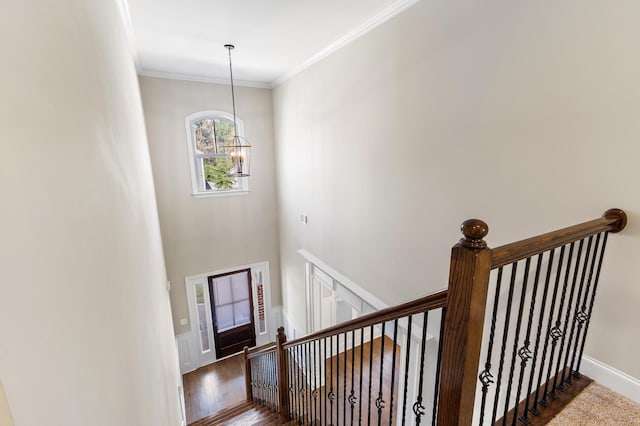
(243, 414)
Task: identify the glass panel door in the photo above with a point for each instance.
(232, 312)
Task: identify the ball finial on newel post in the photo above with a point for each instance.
(474, 230)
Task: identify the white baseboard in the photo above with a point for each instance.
(608, 376)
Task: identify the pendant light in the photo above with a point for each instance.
(239, 150)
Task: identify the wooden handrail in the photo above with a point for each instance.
(613, 220)
(427, 303)
(263, 351)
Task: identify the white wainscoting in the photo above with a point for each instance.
(186, 344)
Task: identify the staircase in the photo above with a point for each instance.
(512, 325)
(244, 414)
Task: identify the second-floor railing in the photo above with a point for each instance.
(381, 368)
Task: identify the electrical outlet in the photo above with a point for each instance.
(184, 321)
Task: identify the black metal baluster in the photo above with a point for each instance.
(353, 362)
(555, 332)
(310, 376)
(337, 378)
(344, 391)
(263, 371)
(267, 389)
(443, 313)
(307, 383)
(264, 381)
(534, 409)
(524, 353)
(406, 369)
(418, 408)
(269, 365)
(514, 268)
(324, 362)
(582, 315)
(299, 383)
(316, 351)
(370, 374)
(379, 399)
(486, 378)
(259, 381)
(593, 296)
(563, 332)
(298, 394)
(331, 394)
(274, 381)
(303, 385)
(393, 370)
(255, 366)
(361, 376)
(301, 389)
(292, 389)
(585, 265)
(516, 340)
(265, 392)
(253, 379)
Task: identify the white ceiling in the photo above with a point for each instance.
(274, 39)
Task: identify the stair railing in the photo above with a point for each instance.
(420, 362)
(261, 377)
(380, 368)
(541, 314)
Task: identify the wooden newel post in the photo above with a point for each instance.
(247, 374)
(462, 338)
(283, 379)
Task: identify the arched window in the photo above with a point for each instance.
(207, 133)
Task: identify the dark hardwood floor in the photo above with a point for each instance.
(221, 385)
(214, 387)
(364, 409)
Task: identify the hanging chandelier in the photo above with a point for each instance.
(239, 150)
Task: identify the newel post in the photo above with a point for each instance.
(462, 338)
(247, 374)
(283, 380)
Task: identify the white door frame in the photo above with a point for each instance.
(262, 337)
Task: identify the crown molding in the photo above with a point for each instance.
(371, 23)
(202, 79)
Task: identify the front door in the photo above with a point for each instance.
(232, 312)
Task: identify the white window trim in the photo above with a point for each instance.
(196, 191)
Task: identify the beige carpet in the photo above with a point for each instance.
(598, 406)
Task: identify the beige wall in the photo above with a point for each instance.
(208, 234)
(85, 320)
(524, 114)
(5, 412)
